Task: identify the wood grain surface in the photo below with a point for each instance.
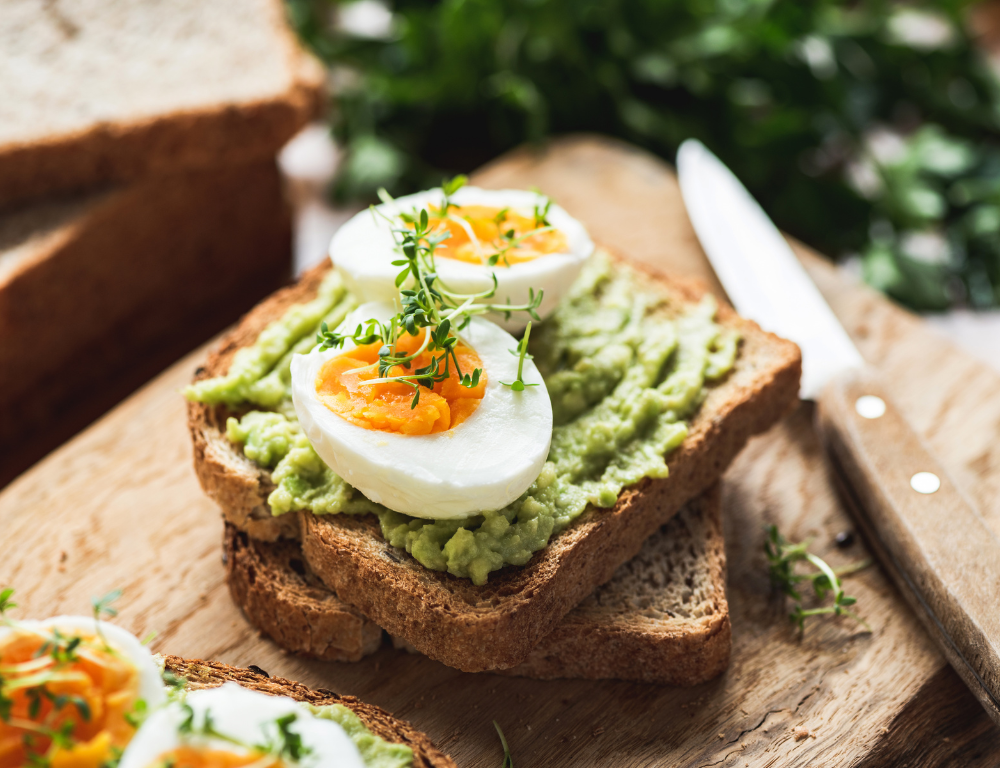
(119, 506)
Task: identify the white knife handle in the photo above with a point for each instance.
(937, 548)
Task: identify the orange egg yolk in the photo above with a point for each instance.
(85, 697)
(385, 407)
(191, 757)
(491, 233)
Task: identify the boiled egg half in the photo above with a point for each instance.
(231, 726)
(534, 244)
(87, 679)
(459, 452)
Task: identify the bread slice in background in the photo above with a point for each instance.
(211, 674)
(663, 618)
(495, 626)
(98, 91)
(100, 292)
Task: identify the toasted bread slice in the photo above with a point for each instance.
(663, 618)
(495, 626)
(97, 92)
(211, 674)
(273, 585)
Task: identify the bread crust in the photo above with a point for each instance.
(271, 582)
(211, 674)
(590, 643)
(495, 626)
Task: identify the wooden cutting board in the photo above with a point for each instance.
(119, 507)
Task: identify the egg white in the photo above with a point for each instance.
(483, 464)
(364, 248)
(150, 681)
(245, 715)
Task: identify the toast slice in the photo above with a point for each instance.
(211, 674)
(495, 626)
(272, 584)
(98, 92)
(112, 286)
(663, 618)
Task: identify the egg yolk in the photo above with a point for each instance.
(479, 232)
(192, 757)
(385, 407)
(65, 704)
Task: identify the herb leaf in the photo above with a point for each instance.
(5, 600)
(782, 557)
(508, 760)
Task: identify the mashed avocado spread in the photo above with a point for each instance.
(624, 368)
(375, 752)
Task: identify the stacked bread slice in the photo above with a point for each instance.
(141, 208)
(635, 591)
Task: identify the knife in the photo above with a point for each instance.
(933, 543)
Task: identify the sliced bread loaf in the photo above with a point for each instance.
(663, 618)
(211, 674)
(97, 92)
(100, 292)
(495, 626)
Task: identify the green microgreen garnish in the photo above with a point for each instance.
(6, 603)
(450, 187)
(782, 557)
(288, 743)
(103, 607)
(173, 681)
(6, 702)
(542, 214)
(36, 677)
(138, 713)
(521, 352)
(115, 759)
(508, 760)
(429, 306)
(59, 647)
(285, 743)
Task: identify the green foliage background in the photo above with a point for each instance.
(855, 138)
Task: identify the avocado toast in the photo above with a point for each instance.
(81, 692)
(495, 625)
(199, 675)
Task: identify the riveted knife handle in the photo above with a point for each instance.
(940, 552)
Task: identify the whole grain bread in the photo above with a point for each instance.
(212, 674)
(115, 285)
(495, 626)
(273, 585)
(663, 618)
(98, 92)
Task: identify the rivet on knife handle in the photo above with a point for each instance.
(941, 553)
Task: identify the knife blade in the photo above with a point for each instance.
(931, 540)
